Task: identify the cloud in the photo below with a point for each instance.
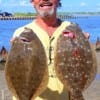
(24, 3)
(98, 7)
(98, 4)
(83, 4)
(14, 3)
(0, 1)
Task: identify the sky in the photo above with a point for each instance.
(67, 6)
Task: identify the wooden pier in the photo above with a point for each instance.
(33, 17)
(17, 18)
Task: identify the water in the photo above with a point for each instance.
(7, 28)
(89, 24)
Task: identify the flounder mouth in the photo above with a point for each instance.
(46, 4)
(25, 40)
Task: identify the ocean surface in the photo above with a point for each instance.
(90, 24)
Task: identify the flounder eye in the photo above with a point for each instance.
(24, 40)
(69, 34)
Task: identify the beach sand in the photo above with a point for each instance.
(91, 93)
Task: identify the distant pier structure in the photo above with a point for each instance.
(33, 17)
(17, 17)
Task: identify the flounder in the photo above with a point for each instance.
(26, 67)
(75, 61)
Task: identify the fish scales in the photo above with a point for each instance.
(26, 67)
(75, 61)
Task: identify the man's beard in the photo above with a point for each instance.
(45, 14)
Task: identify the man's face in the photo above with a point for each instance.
(45, 7)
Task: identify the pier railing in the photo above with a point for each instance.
(17, 17)
(33, 17)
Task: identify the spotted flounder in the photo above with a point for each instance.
(26, 67)
(75, 61)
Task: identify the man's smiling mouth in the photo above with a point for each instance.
(48, 4)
